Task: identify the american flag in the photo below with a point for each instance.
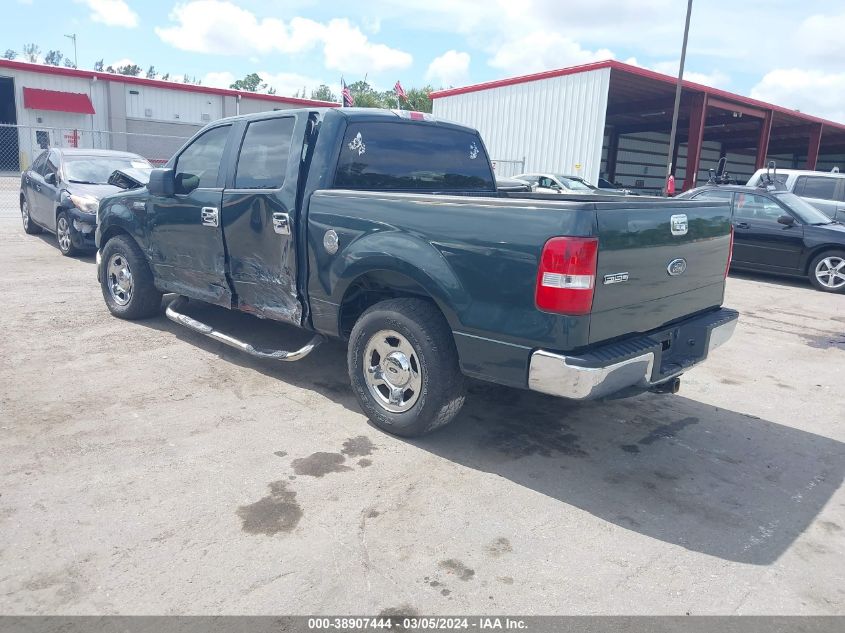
(400, 91)
(348, 99)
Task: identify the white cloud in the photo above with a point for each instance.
(819, 38)
(811, 91)
(112, 13)
(715, 78)
(222, 79)
(451, 68)
(215, 26)
(123, 61)
(543, 50)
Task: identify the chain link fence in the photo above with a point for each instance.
(20, 145)
(506, 167)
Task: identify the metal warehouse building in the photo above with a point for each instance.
(613, 120)
(44, 106)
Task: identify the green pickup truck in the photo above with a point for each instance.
(386, 229)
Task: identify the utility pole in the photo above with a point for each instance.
(75, 60)
(677, 99)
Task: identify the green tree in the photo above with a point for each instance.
(53, 58)
(133, 70)
(31, 52)
(151, 72)
(69, 63)
(253, 83)
(419, 99)
(366, 97)
(324, 93)
(110, 69)
(165, 77)
(98, 65)
(10, 54)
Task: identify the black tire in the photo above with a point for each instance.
(142, 300)
(64, 235)
(836, 257)
(442, 386)
(29, 227)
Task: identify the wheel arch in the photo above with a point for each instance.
(818, 250)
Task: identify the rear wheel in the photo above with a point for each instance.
(64, 236)
(126, 281)
(827, 271)
(29, 227)
(404, 367)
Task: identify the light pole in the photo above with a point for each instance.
(677, 100)
(75, 60)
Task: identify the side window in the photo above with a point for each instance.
(799, 185)
(38, 163)
(52, 166)
(819, 187)
(263, 160)
(715, 194)
(199, 164)
(750, 206)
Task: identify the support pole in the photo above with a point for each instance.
(698, 114)
(763, 142)
(678, 86)
(814, 145)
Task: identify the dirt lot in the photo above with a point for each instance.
(147, 470)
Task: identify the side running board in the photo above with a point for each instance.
(174, 315)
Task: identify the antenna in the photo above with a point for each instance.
(75, 60)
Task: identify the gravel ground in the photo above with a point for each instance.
(148, 470)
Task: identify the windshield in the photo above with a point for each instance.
(575, 184)
(97, 169)
(806, 212)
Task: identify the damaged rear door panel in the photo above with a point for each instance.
(259, 217)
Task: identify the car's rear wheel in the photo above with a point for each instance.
(126, 280)
(827, 271)
(404, 367)
(64, 236)
(29, 227)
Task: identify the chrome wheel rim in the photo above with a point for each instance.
(392, 371)
(25, 214)
(63, 234)
(119, 279)
(830, 272)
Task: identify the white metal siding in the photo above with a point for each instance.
(161, 104)
(555, 124)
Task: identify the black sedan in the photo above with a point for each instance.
(775, 231)
(61, 192)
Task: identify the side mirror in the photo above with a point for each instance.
(162, 182)
(50, 178)
(786, 220)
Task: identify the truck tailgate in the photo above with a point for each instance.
(657, 263)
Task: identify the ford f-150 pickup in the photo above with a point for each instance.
(386, 229)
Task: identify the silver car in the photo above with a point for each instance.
(824, 190)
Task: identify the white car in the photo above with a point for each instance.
(558, 183)
(825, 190)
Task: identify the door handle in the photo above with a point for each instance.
(210, 216)
(742, 225)
(281, 223)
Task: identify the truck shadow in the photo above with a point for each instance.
(710, 480)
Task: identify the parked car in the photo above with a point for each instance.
(512, 184)
(387, 231)
(824, 190)
(557, 183)
(61, 192)
(606, 185)
(778, 232)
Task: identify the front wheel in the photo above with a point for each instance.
(827, 271)
(64, 236)
(404, 367)
(126, 280)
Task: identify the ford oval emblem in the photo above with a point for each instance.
(677, 267)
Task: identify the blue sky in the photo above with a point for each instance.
(781, 51)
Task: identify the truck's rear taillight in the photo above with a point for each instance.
(730, 252)
(567, 275)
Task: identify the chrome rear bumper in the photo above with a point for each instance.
(640, 362)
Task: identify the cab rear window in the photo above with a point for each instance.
(399, 156)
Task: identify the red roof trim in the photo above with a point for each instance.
(57, 101)
(157, 83)
(642, 72)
